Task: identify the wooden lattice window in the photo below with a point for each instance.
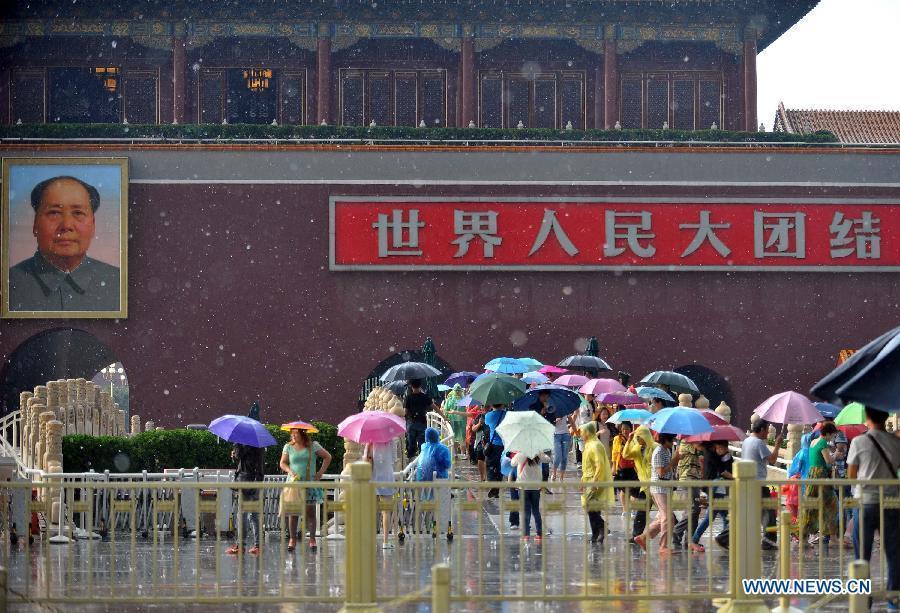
(543, 100)
(683, 100)
(393, 97)
(28, 96)
(140, 90)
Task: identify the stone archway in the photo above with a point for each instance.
(712, 385)
(60, 353)
(414, 355)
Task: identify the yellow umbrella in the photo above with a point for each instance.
(299, 425)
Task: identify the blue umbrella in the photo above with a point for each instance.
(507, 366)
(631, 415)
(464, 378)
(531, 363)
(680, 420)
(535, 377)
(828, 410)
(654, 392)
(563, 400)
(243, 430)
(480, 377)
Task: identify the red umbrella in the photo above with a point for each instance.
(851, 431)
(720, 432)
(713, 418)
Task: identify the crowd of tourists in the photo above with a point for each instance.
(607, 448)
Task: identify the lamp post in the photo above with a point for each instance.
(115, 375)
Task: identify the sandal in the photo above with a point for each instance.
(292, 544)
(313, 546)
(641, 542)
(697, 548)
(233, 550)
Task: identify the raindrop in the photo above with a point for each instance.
(518, 338)
(165, 392)
(567, 290)
(114, 43)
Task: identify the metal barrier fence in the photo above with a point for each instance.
(155, 562)
(145, 557)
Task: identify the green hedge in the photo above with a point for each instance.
(160, 449)
(255, 131)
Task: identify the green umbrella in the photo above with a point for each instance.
(853, 413)
(497, 388)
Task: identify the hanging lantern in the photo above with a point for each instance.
(109, 77)
(257, 79)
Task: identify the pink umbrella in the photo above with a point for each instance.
(600, 386)
(789, 408)
(552, 370)
(571, 380)
(714, 418)
(620, 398)
(720, 432)
(372, 427)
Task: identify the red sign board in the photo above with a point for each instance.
(383, 233)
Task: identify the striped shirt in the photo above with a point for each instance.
(662, 458)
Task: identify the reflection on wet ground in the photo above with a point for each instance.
(497, 563)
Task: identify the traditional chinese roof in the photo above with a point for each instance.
(869, 127)
(770, 17)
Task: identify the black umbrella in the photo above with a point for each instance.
(409, 370)
(398, 388)
(676, 382)
(584, 362)
(871, 376)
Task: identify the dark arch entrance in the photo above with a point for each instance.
(409, 355)
(61, 353)
(711, 384)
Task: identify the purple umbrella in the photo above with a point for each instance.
(464, 378)
(242, 430)
(619, 398)
(467, 401)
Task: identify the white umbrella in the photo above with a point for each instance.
(525, 432)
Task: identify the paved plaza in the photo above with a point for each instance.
(497, 563)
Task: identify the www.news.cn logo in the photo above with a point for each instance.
(806, 587)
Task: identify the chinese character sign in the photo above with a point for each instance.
(445, 233)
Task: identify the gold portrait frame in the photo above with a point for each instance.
(12, 162)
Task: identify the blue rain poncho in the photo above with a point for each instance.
(433, 457)
(800, 465)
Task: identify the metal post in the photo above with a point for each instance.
(859, 569)
(440, 588)
(784, 560)
(359, 571)
(744, 558)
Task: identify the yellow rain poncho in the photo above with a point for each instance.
(595, 468)
(641, 457)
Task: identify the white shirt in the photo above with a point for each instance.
(528, 472)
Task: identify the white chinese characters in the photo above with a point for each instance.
(860, 236)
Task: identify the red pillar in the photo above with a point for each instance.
(467, 91)
(750, 80)
(610, 85)
(5, 79)
(323, 80)
(179, 90)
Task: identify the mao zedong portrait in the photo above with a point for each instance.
(60, 276)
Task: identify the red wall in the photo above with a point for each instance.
(230, 297)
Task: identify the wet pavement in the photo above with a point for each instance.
(485, 557)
